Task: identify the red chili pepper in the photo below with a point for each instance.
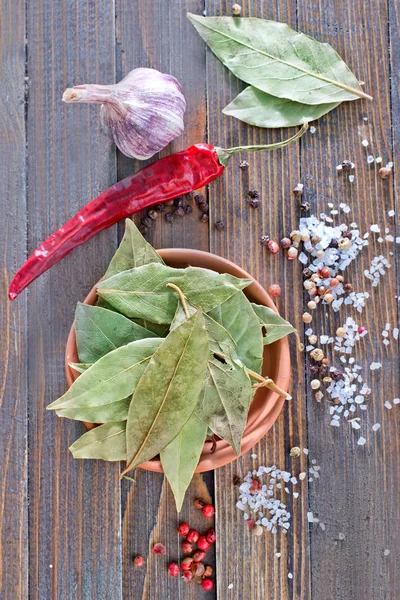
(164, 180)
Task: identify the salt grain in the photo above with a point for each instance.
(388, 405)
(361, 441)
(370, 159)
(365, 143)
(230, 586)
(386, 552)
(376, 427)
(396, 401)
(313, 129)
(290, 575)
(391, 213)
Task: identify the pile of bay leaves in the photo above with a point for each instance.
(167, 357)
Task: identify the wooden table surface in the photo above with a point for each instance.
(68, 529)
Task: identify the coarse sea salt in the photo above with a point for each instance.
(361, 441)
(376, 426)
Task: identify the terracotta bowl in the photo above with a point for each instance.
(266, 404)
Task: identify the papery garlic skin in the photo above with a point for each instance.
(143, 112)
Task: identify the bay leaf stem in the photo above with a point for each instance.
(182, 298)
(269, 383)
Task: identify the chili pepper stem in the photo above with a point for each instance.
(224, 154)
(182, 298)
(269, 383)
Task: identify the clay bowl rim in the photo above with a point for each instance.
(266, 405)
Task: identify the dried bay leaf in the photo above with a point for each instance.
(257, 108)
(238, 318)
(143, 292)
(112, 378)
(224, 401)
(133, 251)
(278, 60)
(98, 331)
(168, 391)
(275, 327)
(106, 442)
(180, 458)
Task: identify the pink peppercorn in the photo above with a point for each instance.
(173, 569)
(199, 555)
(334, 282)
(274, 290)
(159, 549)
(187, 575)
(207, 584)
(138, 561)
(362, 329)
(211, 536)
(187, 563)
(183, 529)
(192, 536)
(273, 247)
(187, 547)
(208, 511)
(202, 543)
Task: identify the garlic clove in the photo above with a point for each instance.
(143, 112)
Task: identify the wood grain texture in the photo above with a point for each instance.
(74, 506)
(158, 35)
(248, 562)
(357, 493)
(13, 319)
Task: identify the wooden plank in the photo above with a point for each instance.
(247, 562)
(158, 35)
(13, 317)
(74, 523)
(357, 493)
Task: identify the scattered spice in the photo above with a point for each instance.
(298, 190)
(295, 451)
(159, 549)
(220, 225)
(274, 290)
(236, 9)
(138, 561)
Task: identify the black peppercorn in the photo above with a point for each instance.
(219, 225)
(254, 193)
(305, 206)
(314, 369)
(323, 370)
(190, 195)
(180, 212)
(334, 243)
(348, 288)
(254, 202)
(147, 222)
(153, 214)
(160, 207)
(143, 229)
(203, 207)
(307, 273)
(264, 239)
(169, 217)
(188, 209)
(199, 198)
(237, 480)
(348, 235)
(178, 201)
(204, 218)
(243, 164)
(347, 165)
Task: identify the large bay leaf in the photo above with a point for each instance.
(98, 331)
(275, 327)
(143, 292)
(133, 251)
(238, 318)
(180, 458)
(168, 391)
(107, 442)
(112, 378)
(278, 60)
(159, 329)
(224, 401)
(263, 110)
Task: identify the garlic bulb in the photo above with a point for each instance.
(143, 112)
